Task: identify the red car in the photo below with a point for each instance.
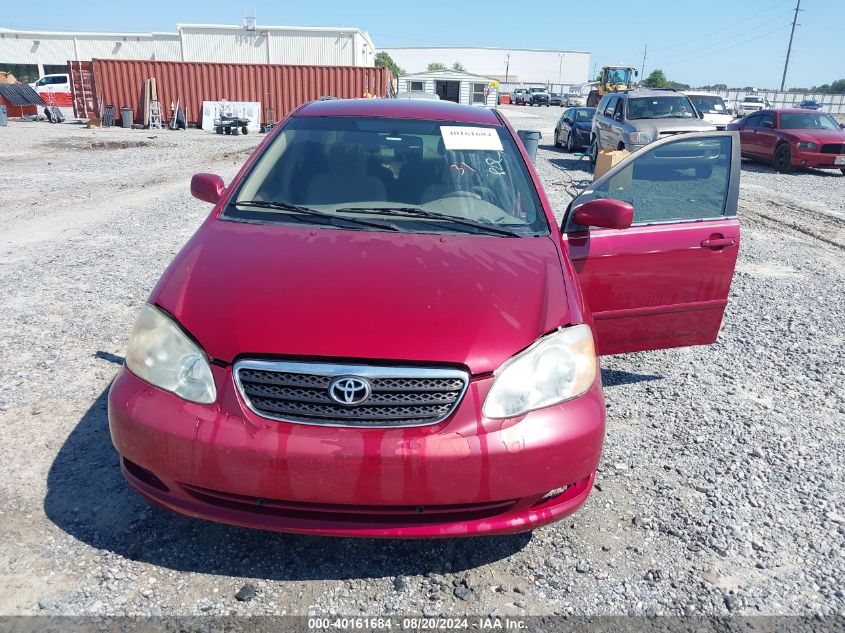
(791, 138)
(381, 331)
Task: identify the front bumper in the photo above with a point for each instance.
(465, 476)
(810, 158)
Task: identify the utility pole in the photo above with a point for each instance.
(789, 48)
(642, 68)
(507, 67)
(559, 67)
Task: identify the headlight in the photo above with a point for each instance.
(163, 355)
(558, 367)
(806, 145)
(639, 138)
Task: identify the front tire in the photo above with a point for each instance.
(570, 145)
(843, 171)
(557, 138)
(783, 159)
(594, 151)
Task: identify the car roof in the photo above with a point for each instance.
(790, 110)
(701, 93)
(651, 93)
(401, 109)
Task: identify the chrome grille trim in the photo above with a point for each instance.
(297, 392)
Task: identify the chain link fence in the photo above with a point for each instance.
(832, 104)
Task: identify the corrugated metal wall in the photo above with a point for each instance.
(313, 48)
(210, 45)
(283, 88)
(526, 66)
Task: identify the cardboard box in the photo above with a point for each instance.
(606, 159)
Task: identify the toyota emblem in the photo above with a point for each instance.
(349, 390)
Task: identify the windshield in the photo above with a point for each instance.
(669, 107)
(753, 100)
(708, 104)
(584, 114)
(340, 166)
(617, 76)
(807, 121)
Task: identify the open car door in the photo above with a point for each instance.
(664, 281)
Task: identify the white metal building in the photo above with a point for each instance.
(511, 66)
(30, 54)
(452, 85)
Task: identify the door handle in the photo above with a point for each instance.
(719, 242)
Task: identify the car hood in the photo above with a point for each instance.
(659, 126)
(253, 290)
(820, 137)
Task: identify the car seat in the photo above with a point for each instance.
(346, 180)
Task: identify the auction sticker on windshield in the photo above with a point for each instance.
(478, 138)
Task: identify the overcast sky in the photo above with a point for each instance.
(740, 43)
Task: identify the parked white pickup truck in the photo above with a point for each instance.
(751, 103)
(712, 107)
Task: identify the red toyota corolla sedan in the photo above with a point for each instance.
(792, 138)
(381, 331)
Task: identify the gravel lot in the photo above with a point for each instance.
(722, 488)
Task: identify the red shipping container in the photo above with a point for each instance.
(280, 87)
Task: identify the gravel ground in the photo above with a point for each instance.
(721, 491)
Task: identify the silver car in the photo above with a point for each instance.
(634, 118)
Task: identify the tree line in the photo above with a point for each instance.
(657, 79)
(384, 60)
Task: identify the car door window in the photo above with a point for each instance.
(685, 179)
(620, 107)
(611, 106)
(753, 120)
(602, 104)
(764, 118)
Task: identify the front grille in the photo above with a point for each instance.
(833, 148)
(398, 396)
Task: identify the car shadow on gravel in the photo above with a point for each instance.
(619, 377)
(88, 499)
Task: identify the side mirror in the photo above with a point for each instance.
(207, 187)
(617, 116)
(566, 119)
(767, 124)
(842, 125)
(605, 213)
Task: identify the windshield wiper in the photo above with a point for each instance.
(417, 212)
(295, 208)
